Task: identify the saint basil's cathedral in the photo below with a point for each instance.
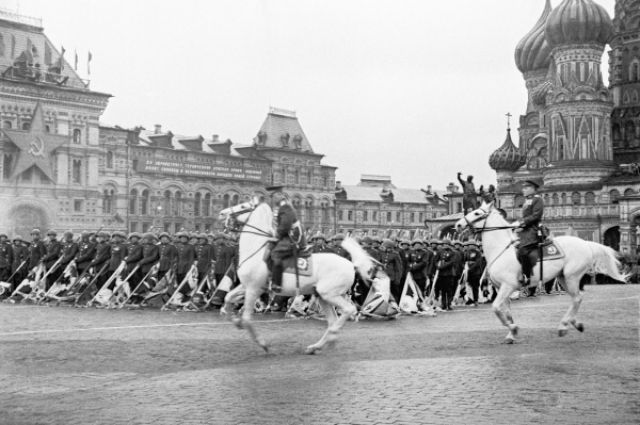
(579, 136)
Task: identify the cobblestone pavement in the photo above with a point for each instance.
(87, 366)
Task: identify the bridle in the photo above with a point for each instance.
(484, 217)
(254, 230)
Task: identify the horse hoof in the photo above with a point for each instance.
(514, 330)
(509, 340)
(310, 350)
(580, 327)
(562, 332)
(237, 322)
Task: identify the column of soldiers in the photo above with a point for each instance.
(102, 260)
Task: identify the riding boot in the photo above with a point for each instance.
(276, 276)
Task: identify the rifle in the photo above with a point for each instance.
(73, 285)
(431, 299)
(106, 284)
(55, 285)
(26, 282)
(4, 286)
(114, 296)
(38, 294)
(185, 280)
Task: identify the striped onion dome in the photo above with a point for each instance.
(533, 52)
(507, 157)
(578, 22)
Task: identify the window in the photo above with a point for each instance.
(365, 216)
(421, 215)
(412, 217)
(77, 136)
(310, 177)
(349, 215)
(177, 204)
(144, 202)
(206, 205)
(226, 201)
(459, 207)
(614, 195)
(340, 215)
(166, 204)
(109, 159)
(145, 227)
(107, 201)
(575, 198)
(76, 172)
(77, 205)
(374, 216)
(197, 228)
(47, 128)
(7, 125)
(388, 216)
(554, 199)
(26, 125)
(6, 165)
(197, 204)
(398, 216)
(590, 198)
(133, 200)
(235, 200)
(167, 227)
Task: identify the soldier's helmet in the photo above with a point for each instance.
(52, 232)
(68, 233)
(388, 244)
(149, 236)
(134, 235)
(165, 235)
(202, 236)
(339, 237)
(367, 240)
(103, 234)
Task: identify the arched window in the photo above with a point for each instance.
(7, 125)
(629, 192)
(144, 202)
(308, 209)
(226, 201)
(614, 196)
(236, 200)
(177, 205)
(554, 199)
(77, 136)
(206, 205)
(107, 201)
(634, 70)
(546, 199)
(76, 171)
(197, 204)
(563, 199)
(575, 198)
(26, 125)
(166, 202)
(590, 198)
(133, 201)
(109, 159)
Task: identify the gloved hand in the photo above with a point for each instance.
(516, 224)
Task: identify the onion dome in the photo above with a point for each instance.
(533, 51)
(578, 22)
(507, 157)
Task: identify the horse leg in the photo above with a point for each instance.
(502, 310)
(230, 300)
(572, 286)
(330, 313)
(346, 311)
(245, 320)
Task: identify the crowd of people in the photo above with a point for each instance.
(189, 270)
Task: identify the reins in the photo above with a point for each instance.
(258, 232)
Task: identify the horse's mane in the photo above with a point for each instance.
(264, 213)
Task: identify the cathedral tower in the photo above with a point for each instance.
(578, 103)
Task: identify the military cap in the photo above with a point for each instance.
(35, 232)
(531, 183)
(52, 232)
(165, 234)
(18, 238)
(5, 235)
(134, 235)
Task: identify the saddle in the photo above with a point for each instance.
(303, 260)
(550, 251)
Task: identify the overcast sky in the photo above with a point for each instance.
(417, 90)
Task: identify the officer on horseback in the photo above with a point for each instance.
(528, 228)
(289, 234)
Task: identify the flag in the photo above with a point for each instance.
(75, 60)
(89, 57)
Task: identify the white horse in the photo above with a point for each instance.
(504, 270)
(331, 278)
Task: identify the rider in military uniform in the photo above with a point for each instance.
(532, 212)
(6, 257)
(289, 233)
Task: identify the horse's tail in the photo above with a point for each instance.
(605, 261)
(359, 257)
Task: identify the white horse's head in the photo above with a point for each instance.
(256, 213)
(476, 219)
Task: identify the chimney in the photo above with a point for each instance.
(429, 188)
(158, 129)
(452, 188)
(215, 138)
(338, 185)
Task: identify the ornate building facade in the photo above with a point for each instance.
(571, 136)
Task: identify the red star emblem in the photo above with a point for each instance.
(36, 146)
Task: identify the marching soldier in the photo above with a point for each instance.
(134, 255)
(337, 247)
(205, 256)
(118, 254)
(20, 255)
(150, 256)
(367, 245)
(86, 252)
(69, 250)
(418, 265)
(392, 265)
(475, 263)
(185, 258)
(446, 285)
(103, 253)
(167, 255)
(36, 250)
(319, 244)
(54, 248)
(6, 257)
(405, 255)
